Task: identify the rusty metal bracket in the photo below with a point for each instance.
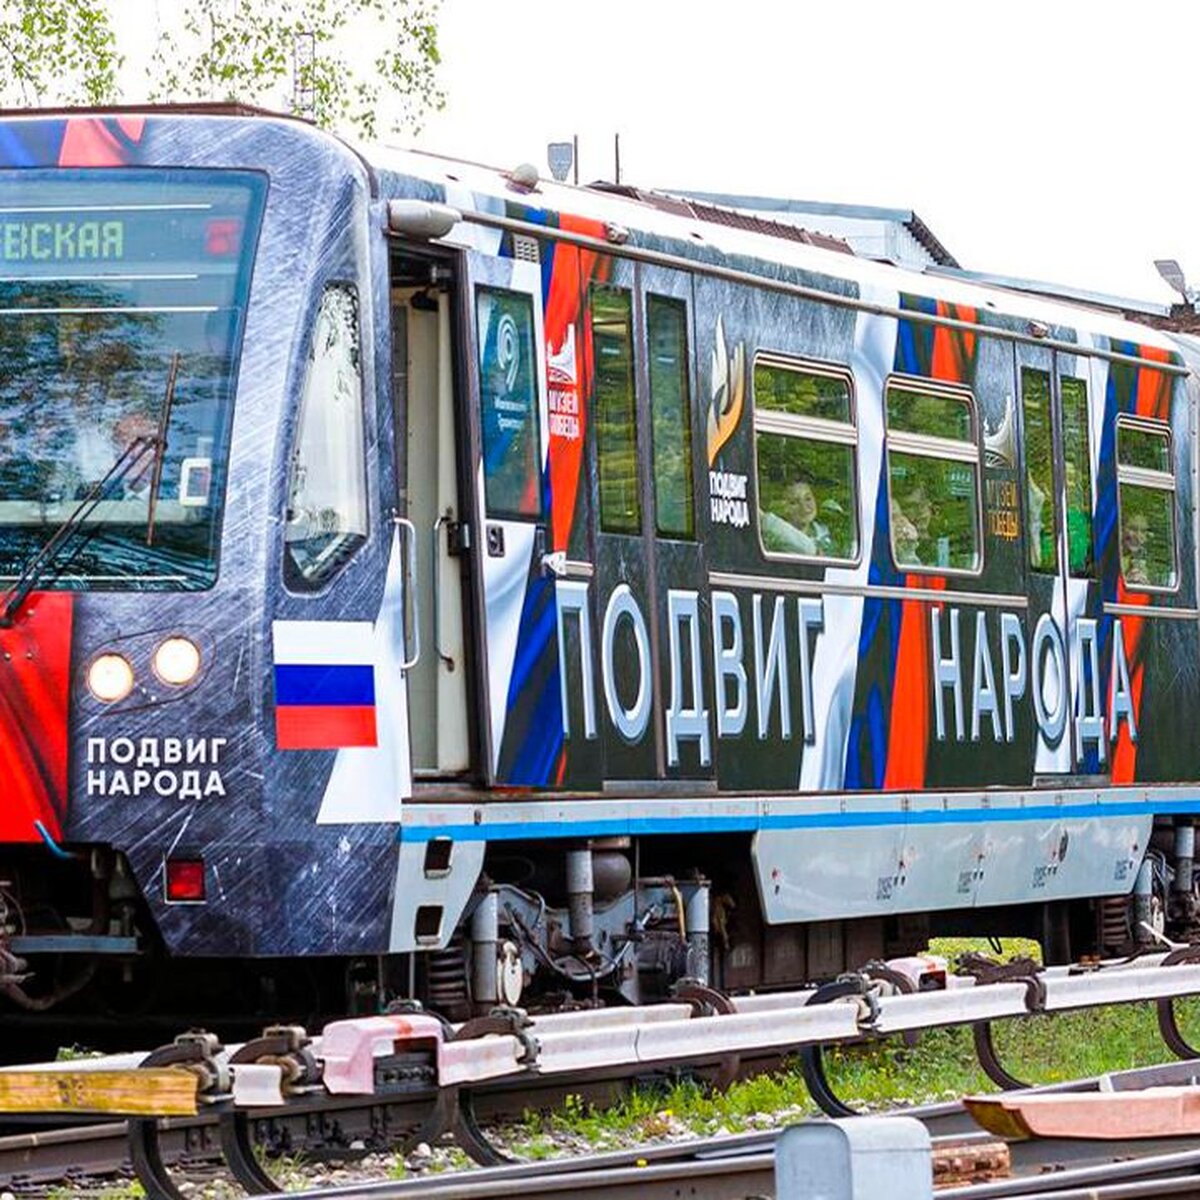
(456, 1106)
(984, 971)
(238, 1150)
(198, 1051)
(706, 1001)
(289, 1048)
(904, 985)
(884, 974)
(1024, 970)
(989, 1060)
(812, 1060)
(1168, 1021)
(510, 1022)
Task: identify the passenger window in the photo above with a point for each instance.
(1146, 487)
(508, 405)
(805, 441)
(1040, 507)
(616, 431)
(670, 410)
(933, 478)
(1077, 462)
(326, 518)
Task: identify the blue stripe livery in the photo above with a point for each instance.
(752, 822)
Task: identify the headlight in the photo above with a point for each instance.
(177, 661)
(110, 678)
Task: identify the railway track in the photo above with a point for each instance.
(31, 1163)
(35, 1159)
(378, 1083)
(741, 1168)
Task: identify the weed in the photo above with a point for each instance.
(75, 1052)
(123, 1191)
(941, 1065)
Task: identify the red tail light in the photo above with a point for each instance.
(185, 879)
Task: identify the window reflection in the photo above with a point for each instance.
(933, 480)
(805, 449)
(89, 330)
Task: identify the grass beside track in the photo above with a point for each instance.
(942, 1066)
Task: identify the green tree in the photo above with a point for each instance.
(342, 62)
(56, 52)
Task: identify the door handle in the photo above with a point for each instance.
(407, 532)
(444, 519)
(555, 564)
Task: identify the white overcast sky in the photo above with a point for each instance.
(1052, 139)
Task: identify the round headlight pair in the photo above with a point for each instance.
(176, 662)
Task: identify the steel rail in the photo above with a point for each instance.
(733, 1168)
(697, 1178)
(101, 1148)
(98, 1150)
(1087, 1177)
(1142, 1189)
(417, 1098)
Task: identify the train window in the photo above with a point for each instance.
(616, 432)
(1040, 506)
(112, 290)
(327, 485)
(1146, 496)
(933, 478)
(508, 403)
(670, 410)
(1077, 463)
(805, 441)
(1142, 448)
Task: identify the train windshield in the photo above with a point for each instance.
(122, 299)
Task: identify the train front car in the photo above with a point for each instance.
(171, 285)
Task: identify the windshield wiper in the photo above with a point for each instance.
(35, 569)
(164, 419)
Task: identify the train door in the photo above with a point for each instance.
(340, 645)
(1078, 412)
(626, 588)
(423, 387)
(522, 700)
(674, 547)
(1060, 481)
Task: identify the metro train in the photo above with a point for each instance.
(427, 581)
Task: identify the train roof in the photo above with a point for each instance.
(660, 215)
(652, 213)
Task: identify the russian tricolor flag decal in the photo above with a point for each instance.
(324, 685)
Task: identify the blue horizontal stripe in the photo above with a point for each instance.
(751, 823)
(324, 684)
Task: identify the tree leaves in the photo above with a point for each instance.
(297, 55)
(363, 65)
(57, 52)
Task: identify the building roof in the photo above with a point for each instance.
(1057, 291)
(797, 209)
(735, 218)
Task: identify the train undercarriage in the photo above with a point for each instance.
(609, 922)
